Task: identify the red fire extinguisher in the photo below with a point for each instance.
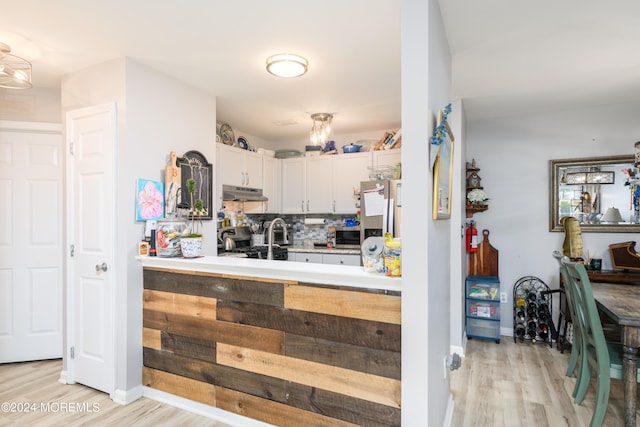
(472, 237)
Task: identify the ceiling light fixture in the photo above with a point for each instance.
(321, 128)
(287, 65)
(15, 72)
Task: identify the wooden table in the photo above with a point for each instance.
(622, 304)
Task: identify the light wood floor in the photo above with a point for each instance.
(37, 383)
(502, 384)
(523, 384)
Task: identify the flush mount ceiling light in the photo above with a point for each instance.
(15, 72)
(321, 128)
(287, 65)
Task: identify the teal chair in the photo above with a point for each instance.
(605, 359)
(577, 338)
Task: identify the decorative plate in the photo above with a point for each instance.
(226, 133)
(242, 143)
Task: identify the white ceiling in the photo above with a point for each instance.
(508, 56)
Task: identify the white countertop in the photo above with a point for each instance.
(340, 275)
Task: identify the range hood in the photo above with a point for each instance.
(242, 194)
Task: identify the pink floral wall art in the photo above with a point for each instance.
(149, 200)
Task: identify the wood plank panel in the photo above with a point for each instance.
(223, 376)
(371, 290)
(236, 289)
(189, 305)
(372, 361)
(346, 408)
(358, 305)
(151, 338)
(215, 330)
(378, 335)
(373, 388)
(180, 386)
(196, 348)
(272, 412)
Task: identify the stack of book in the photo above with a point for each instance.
(390, 140)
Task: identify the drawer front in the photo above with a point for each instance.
(340, 259)
(483, 328)
(483, 309)
(483, 290)
(308, 257)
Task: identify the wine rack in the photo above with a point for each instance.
(532, 308)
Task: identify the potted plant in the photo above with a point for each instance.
(191, 245)
(477, 198)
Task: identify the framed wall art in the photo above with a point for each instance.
(194, 165)
(149, 200)
(442, 169)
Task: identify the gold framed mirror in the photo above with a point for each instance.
(598, 191)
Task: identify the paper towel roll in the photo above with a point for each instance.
(314, 221)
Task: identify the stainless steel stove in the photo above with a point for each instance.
(279, 253)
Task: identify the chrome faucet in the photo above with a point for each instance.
(270, 234)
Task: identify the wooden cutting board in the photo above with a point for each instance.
(484, 262)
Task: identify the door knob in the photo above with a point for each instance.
(102, 267)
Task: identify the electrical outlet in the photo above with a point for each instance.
(503, 297)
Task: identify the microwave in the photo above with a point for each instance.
(347, 237)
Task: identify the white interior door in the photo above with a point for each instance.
(31, 245)
(91, 141)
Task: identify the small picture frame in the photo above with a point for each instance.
(149, 200)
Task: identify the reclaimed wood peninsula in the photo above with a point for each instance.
(276, 341)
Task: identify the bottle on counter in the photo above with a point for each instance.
(392, 256)
(152, 244)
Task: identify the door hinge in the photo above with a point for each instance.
(72, 352)
(72, 250)
(71, 148)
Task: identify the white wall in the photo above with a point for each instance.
(513, 154)
(30, 105)
(156, 114)
(426, 243)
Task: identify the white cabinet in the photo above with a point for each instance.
(239, 167)
(319, 175)
(306, 257)
(293, 192)
(270, 188)
(271, 183)
(387, 157)
(306, 185)
(320, 258)
(341, 259)
(348, 171)
(323, 184)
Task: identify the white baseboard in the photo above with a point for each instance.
(448, 416)
(124, 397)
(202, 409)
(63, 377)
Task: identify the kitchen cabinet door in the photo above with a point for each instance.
(319, 176)
(271, 183)
(341, 259)
(231, 165)
(348, 171)
(293, 193)
(252, 169)
(308, 257)
(387, 157)
(239, 167)
(270, 188)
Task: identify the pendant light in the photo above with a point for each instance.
(321, 128)
(15, 72)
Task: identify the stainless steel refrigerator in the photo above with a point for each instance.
(380, 207)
